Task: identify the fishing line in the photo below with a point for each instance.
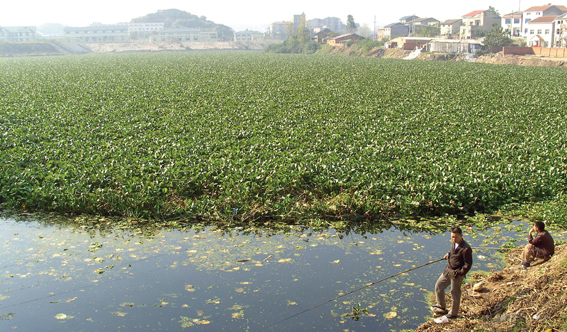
(374, 283)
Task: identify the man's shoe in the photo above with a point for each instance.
(450, 316)
(524, 264)
(437, 310)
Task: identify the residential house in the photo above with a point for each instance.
(455, 46)
(561, 31)
(426, 21)
(21, 33)
(541, 31)
(451, 27)
(478, 22)
(332, 23)
(538, 11)
(98, 33)
(248, 35)
(342, 39)
(393, 30)
(185, 35)
(513, 23)
(408, 19)
(280, 30)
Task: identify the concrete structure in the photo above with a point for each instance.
(455, 46)
(21, 33)
(332, 23)
(478, 22)
(184, 35)
(541, 31)
(408, 43)
(451, 27)
(393, 30)
(248, 35)
(513, 22)
(145, 27)
(280, 30)
(96, 33)
(342, 39)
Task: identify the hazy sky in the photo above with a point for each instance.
(254, 14)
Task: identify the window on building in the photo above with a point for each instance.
(531, 31)
(477, 23)
(527, 20)
(538, 13)
(547, 31)
(526, 30)
(528, 14)
(508, 21)
(539, 31)
(558, 31)
(516, 21)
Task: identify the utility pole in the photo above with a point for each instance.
(374, 32)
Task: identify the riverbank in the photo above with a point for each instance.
(532, 299)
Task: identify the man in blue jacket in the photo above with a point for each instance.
(459, 263)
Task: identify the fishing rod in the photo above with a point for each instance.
(374, 283)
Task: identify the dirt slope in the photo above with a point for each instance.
(532, 299)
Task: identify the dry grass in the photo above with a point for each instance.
(532, 299)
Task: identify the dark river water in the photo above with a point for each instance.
(57, 278)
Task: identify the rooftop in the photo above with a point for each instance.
(543, 19)
(545, 7)
(449, 22)
(513, 15)
(476, 12)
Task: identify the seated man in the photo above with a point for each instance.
(540, 246)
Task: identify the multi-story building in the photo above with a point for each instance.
(332, 23)
(478, 22)
(393, 30)
(280, 30)
(184, 35)
(538, 11)
(248, 35)
(561, 30)
(541, 31)
(23, 33)
(98, 33)
(513, 22)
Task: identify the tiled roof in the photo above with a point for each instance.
(542, 8)
(449, 22)
(543, 19)
(393, 25)
(513, 15)
(476, 12)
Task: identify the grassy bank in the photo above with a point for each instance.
(245, 136)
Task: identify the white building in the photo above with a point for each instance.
(184, 35)
(23, 33)
(541, 31)
(513, 22)
(248, 35)
(561, 31)
(334, 24)
(98, 34)
(279, 30)
(538, 11)
(145, 27)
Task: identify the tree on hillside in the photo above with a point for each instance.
(364, 31)
(175, 18)
(497, 38)
(303, 34)
(351, 25)
(494, 10)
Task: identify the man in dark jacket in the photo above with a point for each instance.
(540, 246)
(459, 263)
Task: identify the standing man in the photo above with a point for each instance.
(540, 246)
(459, 263)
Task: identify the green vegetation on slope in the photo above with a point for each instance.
(175, 18)
(245, 135)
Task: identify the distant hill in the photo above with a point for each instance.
(51, 29)
(175, 18)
